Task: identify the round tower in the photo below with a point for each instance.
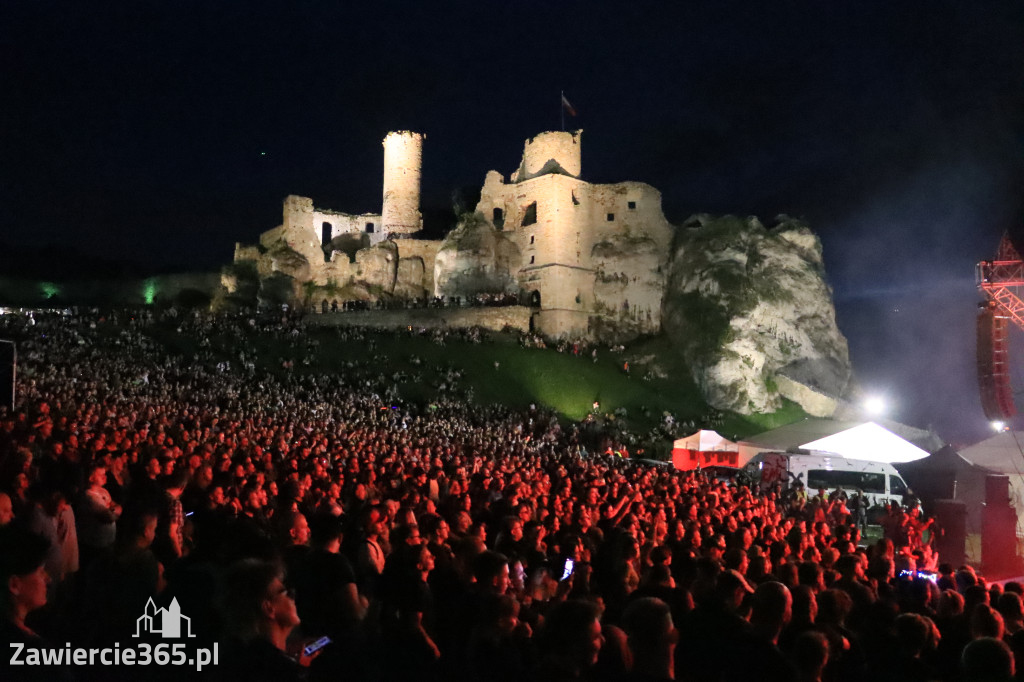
(403, 157)
(551, 152)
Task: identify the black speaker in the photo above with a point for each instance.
(998, 530)
(8, 362)
(994, 366)
(997, 490)
(951, 518)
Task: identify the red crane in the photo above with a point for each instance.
(1001, 281)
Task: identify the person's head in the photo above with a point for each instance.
(850, 567)
(23, 574)
(731, 588)
(491, 572)
(97, 475)
(913, 633)
(175, 482)
(138, 528)
(987, 660)
(6, 509)
(649, 629)
(153, 467)
(986, 622)
(573, 630)
(256, 601)
(296, 529)
(772, 607)
(810, 654)
(326, 531)
(834, 607)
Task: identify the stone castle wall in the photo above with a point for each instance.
(589, 251)
(345, 223)
(495, 319)
(426, 252)
(403, 158)
(540, 151)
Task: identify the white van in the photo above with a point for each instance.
(880, 481)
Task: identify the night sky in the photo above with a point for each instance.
(162, 132)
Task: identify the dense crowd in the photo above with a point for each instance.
(481, 300)
(449, 541)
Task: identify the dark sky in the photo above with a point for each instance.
(163, 132)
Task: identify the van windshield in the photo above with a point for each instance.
(849, 480)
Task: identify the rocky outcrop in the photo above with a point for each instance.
(409, 278)
(476, 258)
(744, 303)
(377, 267)
(629, 283)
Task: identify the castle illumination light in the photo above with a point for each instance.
(875, 405)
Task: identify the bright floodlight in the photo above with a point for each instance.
(998, 426)
(874, 405)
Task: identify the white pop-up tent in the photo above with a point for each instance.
(852, 440)
(704, 448)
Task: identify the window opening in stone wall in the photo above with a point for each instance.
(631, 205)
(369, 228)
(531, 260)
(611, 217)
(575, 201)
(535, 298)
(325, 234)
(530, 216)
(499, 218)
(531, 238)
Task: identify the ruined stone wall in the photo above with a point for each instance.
(300, 232)
(562, 148)
(555, 235)
(346, 223)
(403, 152)
(631, 241)
(426, 251)
(244, 252)
(495, 319)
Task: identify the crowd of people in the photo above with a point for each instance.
(481, 300)
(284, 509)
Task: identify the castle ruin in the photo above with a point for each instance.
(585, 256)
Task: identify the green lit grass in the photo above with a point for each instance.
(565, 383)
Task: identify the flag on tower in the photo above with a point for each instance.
(568, 107)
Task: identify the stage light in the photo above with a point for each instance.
(999, 426)
(875, 405)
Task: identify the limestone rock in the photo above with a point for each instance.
(409, 280)
(744, 303)
(377, 267)
(279, 288)
(287, 261)
(629, 283)
(476, 258)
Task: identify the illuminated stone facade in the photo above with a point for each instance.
(591, 257)
(593, 254)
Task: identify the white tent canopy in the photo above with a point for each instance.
(705, 440)
(865, 441)
(869, 442)
(1001, 453)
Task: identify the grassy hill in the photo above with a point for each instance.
(659, 381)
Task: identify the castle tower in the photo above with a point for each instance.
(550, 152)
(403, 155)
